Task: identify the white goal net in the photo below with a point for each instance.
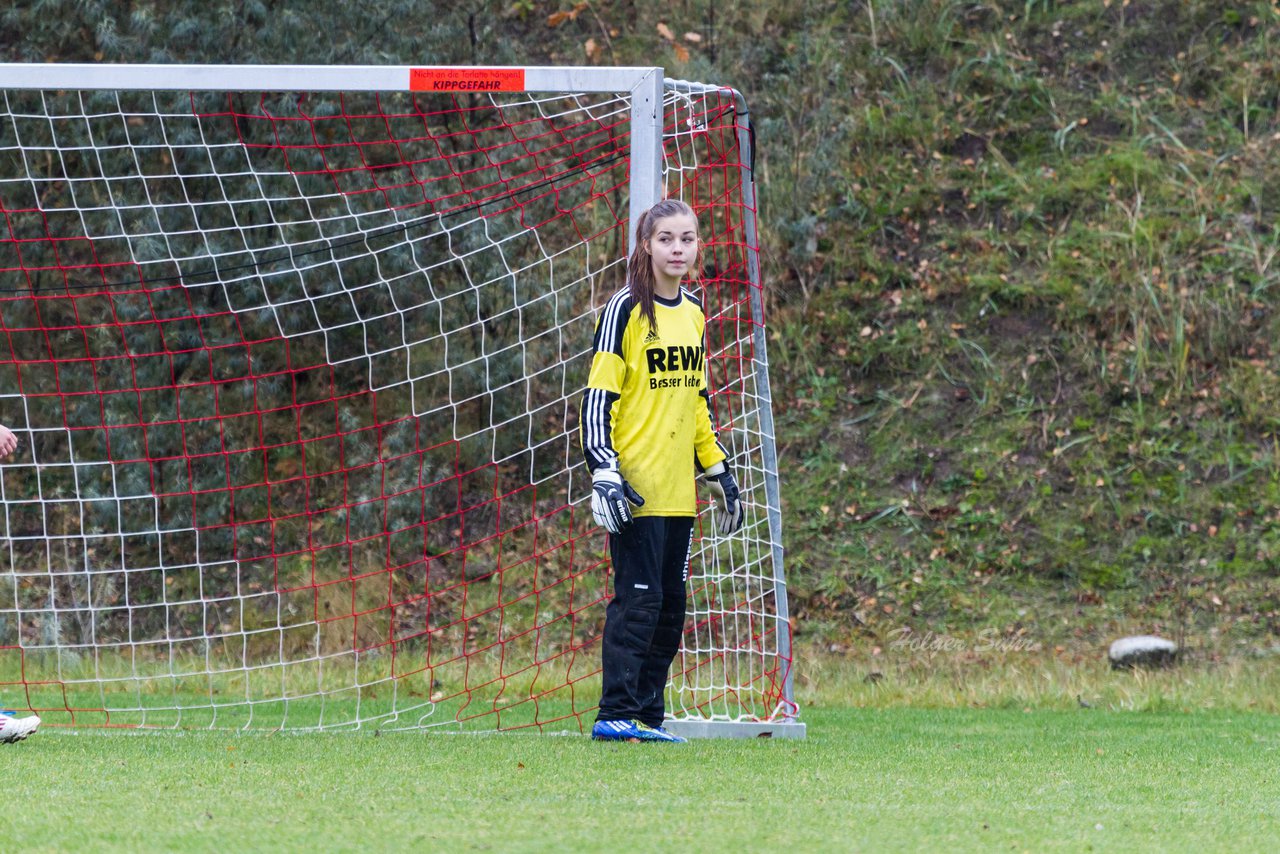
(294, 358)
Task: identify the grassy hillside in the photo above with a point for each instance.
(1022, 258)
(1024, 317)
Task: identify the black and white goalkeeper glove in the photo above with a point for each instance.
(611, 499)
(724, 489)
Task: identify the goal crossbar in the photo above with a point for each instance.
(644, 84)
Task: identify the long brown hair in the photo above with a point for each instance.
(640, 279)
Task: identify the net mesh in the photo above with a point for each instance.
(295, 378)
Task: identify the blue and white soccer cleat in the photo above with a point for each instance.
(14, 728)
(632, 731)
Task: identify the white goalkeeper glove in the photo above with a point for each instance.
(611, 499)
(724, 489)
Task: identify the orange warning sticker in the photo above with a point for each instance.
(466, 79)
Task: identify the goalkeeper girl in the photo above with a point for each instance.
(646, 431)
(12, 727)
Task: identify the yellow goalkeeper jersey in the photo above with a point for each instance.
(646, 403)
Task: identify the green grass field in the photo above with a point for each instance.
(878, 779)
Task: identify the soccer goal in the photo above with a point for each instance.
(294, 355)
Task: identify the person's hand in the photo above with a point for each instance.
(8, 441)
(611, 499)
(724, 489)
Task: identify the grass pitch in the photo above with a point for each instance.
(866, 779)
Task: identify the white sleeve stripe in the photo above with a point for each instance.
(609, 327)
(610, 335)
(595, 424)
(594, 427)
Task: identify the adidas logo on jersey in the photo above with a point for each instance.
(652, 337)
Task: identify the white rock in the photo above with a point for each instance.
(1142, 651)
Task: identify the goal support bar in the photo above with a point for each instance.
(692, 728)
(791, 728)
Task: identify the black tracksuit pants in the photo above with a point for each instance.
(644, 621)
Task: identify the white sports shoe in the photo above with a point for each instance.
(13, 728)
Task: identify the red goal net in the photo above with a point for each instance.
(295, 379)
